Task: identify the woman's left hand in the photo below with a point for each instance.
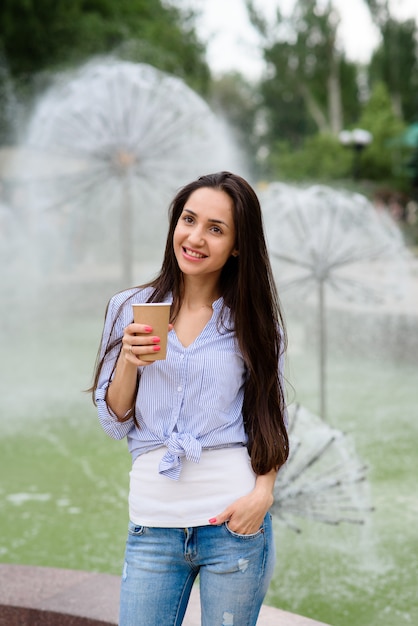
(245, 515)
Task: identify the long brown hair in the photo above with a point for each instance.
(249, 292)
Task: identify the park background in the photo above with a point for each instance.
(63, 484)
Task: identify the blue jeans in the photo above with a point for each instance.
(161, 565)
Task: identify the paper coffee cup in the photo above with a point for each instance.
(157, 315)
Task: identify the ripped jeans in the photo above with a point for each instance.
(161, 565)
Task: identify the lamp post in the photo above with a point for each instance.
(356, 139)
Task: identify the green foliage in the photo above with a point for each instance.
(309, 81)
(49, 34)
(379, 10)
(321, 158)
(310, 87)
(395, 63)
(350, 96)
(8, 107)
(287, 113)
(298, 59)
(378, 161)
(238, 101)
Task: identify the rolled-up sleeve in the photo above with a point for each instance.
(113, 331)
(109, 421)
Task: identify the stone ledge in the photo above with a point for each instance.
(42, 596)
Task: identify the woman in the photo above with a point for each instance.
(206, 426)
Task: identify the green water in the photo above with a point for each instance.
(64, 484)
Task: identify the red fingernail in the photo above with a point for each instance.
(148, 329)
(156, 348)
(156, 340)
(212, 520)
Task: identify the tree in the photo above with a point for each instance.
(395, 62)
(9, 109)
(303, 91)
(238, 101)
(36, 35)
(379, 10)
(380, 120)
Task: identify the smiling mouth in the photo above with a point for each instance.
(194, 254)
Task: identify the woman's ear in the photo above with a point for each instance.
(235, 253)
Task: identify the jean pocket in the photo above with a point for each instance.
(135, 529)
(259, 532)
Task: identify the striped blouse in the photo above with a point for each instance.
(191, 400)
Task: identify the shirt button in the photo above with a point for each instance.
(179, 388)
(182, 356)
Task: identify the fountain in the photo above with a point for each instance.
(349, 289)
(114, 153)
(91, 180)
(323, 238)
(323, 480)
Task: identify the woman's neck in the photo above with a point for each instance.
(199, 294)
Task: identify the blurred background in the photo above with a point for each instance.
(106, 108)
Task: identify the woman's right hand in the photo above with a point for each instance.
(137, 341)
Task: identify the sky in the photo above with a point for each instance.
(233, 44)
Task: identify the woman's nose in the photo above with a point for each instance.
(196, 236)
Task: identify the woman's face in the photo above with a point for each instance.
(204, 237)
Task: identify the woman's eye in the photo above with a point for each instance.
(188, 219)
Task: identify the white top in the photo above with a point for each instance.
(205, 489)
